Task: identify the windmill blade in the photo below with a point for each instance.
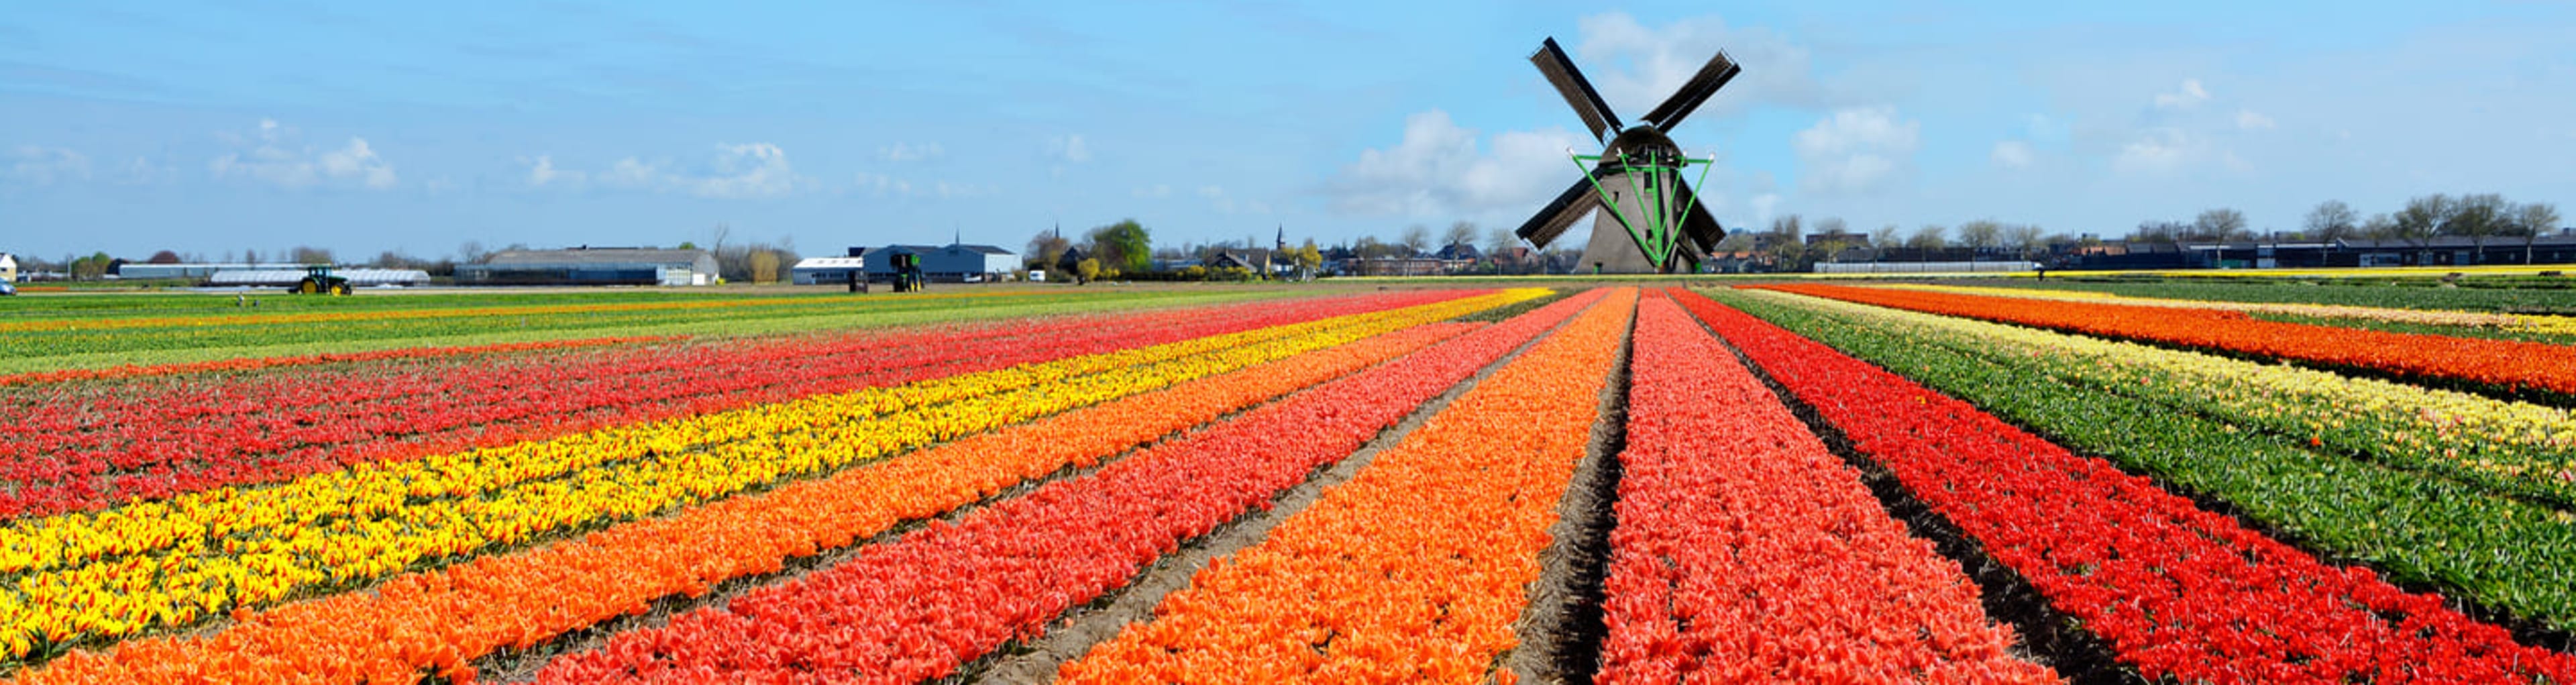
(1587, 103)
(1697, 224)
(1552, 220)
(1711, 77)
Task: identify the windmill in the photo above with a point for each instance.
(1637, 177)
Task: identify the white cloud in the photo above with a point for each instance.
(2191, 95)
(1764, 205)
(946, 190)
(745, 171)
(276, 159)
(884, 185)
(736, 171)
(2159, 151)
(142, 171)
(37, 165)
(1069, 149)
(1438, 170)
(1635, 67)
(542, 171)
(1211, 191)
(2251, 120)
(902, 152)
(2013, 154)
(1860, 150)
(1158, 190)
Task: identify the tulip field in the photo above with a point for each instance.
(1540, 482)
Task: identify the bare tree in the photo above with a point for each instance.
(1500, 240)
(1885, 237)
(2532, 221)
(1929, 237)
(2221, 224)
(1416, 239)
(2023, 239)
(1461, 233)
(2332, 220)
(2479, 216)
(1046, 248)
(2424, 217)
(1979, 235)
(311, 255)
(2160, 232)
(2379, 227)
(471, 252)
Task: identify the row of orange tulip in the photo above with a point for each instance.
(1414, 570)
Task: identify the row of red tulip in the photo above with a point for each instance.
(2176, 591)
(920, 607)
(2508, 364)
(1414, 570)
(434, 622)
(86, 447)
(1745, 551)
(242, 364)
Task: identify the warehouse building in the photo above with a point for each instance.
(829, 270)
(592, 266)
(952, 263)
(289, 276)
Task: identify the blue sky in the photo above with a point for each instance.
(218, 127)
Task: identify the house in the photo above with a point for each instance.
(587, 265)
(1227, 259)
(8, 267)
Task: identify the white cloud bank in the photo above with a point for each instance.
(272, 157)
(1857, 151)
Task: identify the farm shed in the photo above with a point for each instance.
(287, 277)
(947, 263)
(592, 266)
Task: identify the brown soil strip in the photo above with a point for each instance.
(1560, 627)
(1075, 633)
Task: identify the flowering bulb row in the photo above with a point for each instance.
(2514, 447)
(435, 621)
(2535, 323)
(1745, 552)
(1415, 569)
(401, 517)
(265, 363)
(2176, 591)
(2507, 364)
(369, 489)
(86, 448)
(2512, 554)
(918, 608)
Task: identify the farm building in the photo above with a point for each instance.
(952, 263)
(287, 276)
(8, 267)
(829, 270)
(196, 270)
(592, 266)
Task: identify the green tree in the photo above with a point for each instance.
(1123, 246)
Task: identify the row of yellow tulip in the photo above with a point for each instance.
(2517, 447)
(2535, 323)
(669, 465)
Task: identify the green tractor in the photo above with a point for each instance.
(319, 281)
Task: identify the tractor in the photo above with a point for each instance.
(907, 272)
(318, 280)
